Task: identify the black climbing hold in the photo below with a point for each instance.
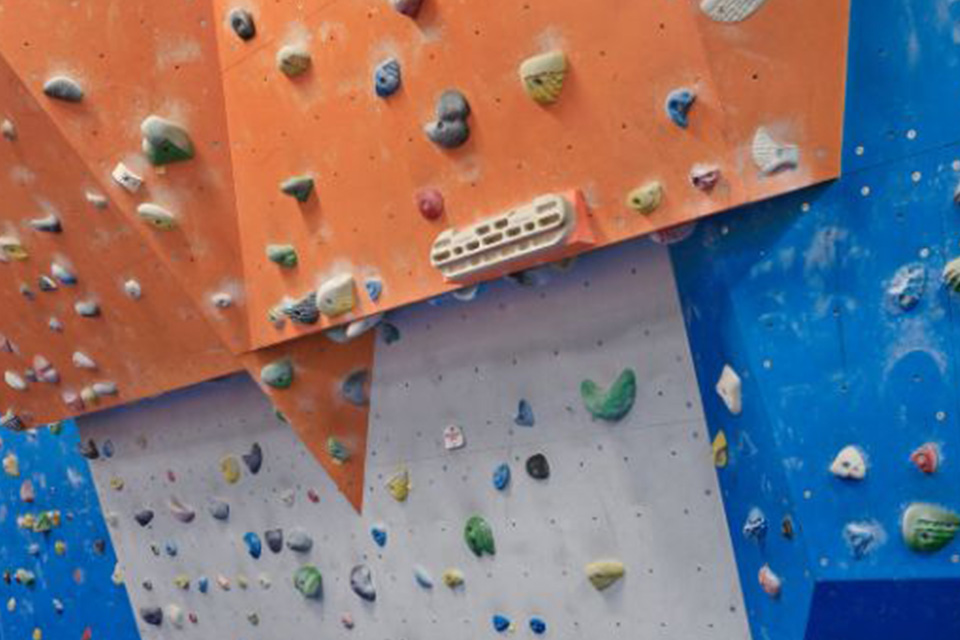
(99, 546)
(254, 459)
(241, 21)
(89, 450)
(143, 517)
(274, 538)
(152, 615)
(389, 332)
(304, 311)
(538, 467)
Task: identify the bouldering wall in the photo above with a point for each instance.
(641, 490)
(833, 306)
(57, 559)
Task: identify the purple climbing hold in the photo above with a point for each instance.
(274, 538)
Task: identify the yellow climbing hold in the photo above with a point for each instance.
(182, 581)
(60, 547)
(453, 578)
(720, 454)
(12, 249)
(230, 468)
(116, 483)
(604, 573)
(11, 465)
(37, 634)
(543, 75)
(399, 485)
(647, 198)
(117, 576)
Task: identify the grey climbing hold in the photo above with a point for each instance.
(538, 467)
(254, 458)
(359, 327)
(299, 541)
(126, 178)
(303, 311)
(143, 517)
(165, 142)
(254, 546)
(361, 581)
(219, 509)
(152, 615)
(274, 539)
(387, 78)
(450, 130)
(157, 217)
(87, 308)
(48, 224)
(241, 21)
(907, 286)
(278, 375)
(423, 577)
(180, 511)
(863, 538)
(284, 255)
(355, 388)
(88, 449)
(678, 105)
(63, 88)
(83, 361)
(525, 416)
(299, 187)
(293, 60)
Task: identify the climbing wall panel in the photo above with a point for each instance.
(607, 134)
(642, 490)
(144, 346)
(135, 59)
(72, 594)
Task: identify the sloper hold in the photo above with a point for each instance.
(299, 187)
(453, 578)
(180, 511)
(355, 388)
(450, 130)
(336, 296)
(928, 528)
(219, 509)
(63, 88)
(86, 308)
(771, 156)
(293, 60)
(409, 8)
(361, 581)
(278, 375)
(478, 535)
(850, 464)
(613, 404)
(156, 216)
(423, 577)
(254, 458)
(678, 105)
(538, 467)
(299, 541)
(152, 615)
(647, 198)
(242, 23)
(605, 573)
(164, 141)
(387, 78)
(308, 581)
(730, 389)
(143, 517)
(730, 10)
(284, 255)
(543, 76)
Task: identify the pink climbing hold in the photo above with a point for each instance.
(430, 203)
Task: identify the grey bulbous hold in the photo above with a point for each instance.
(361, 581)
(450, 130)
(299, 541)
(63, 88)
(241, 21)
(219, 509)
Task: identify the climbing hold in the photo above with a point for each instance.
(538, 467)
(453, 438)
(175, 615)
(450, 130)
(293, 60)
(11, 465)
(863, 538)
(409, 8)
(308, 581)
(374, 288)
(219, 509)
(525, 416)
(399, 485)
(359, 327)
(849, 464)
(116, 483)
(287, 497)
(274, 538)
(347, 620)
(63, 274)
(730, 10)
(299, 541)
(104, 388)
(678, 105)
(278, 375)
(538, 626)
(157, 216)
(389, 332)
(755, 527)
(203, 584)
(9, 130)
(46, 283)
(27, 493)
(479, 536)
(126, 178)
(180, 511)
(12, 249)
(253, 619)
(89, 449)
(604, 573)
(430, 203)
(336, 295)
(647, 198)
(705, 177)
(453, 578)
(387, 78)
(254, 458)
(501, 477)
(355, 388)
(361, 581)
(15, 381)
(25, 577)
(543, 75)
(143, 517)
(152, 615)
(27, 292)
(64, 89)
(926, 457)
(501, 623)
(613, 404)
(254, 546)
(379, 534)
(133, 289)
(299, 187)
(171, 548)
(769, 581)
(230, 469)
(730, 390)
(98, 200)
(284, 255)
(337, 450)
(223, 582)
(907, 286)
(721, 455)
(265, 581)
(165, 142)
(313, 496)
(221, 300)
(241, 21)
(48, 224)
(423, 577)
(771, 156)
(928, 528)
(786, 527)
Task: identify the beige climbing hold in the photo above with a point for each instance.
(721, 454)
(337, 295)
(9, 130)
(293, 60)
(399, 485)
(157, 216)
(175, 615)
(453, 578)
(730, 390)
(849, 464)
(730, 10)
(543, 75)
(83, 361)
(11, 465)
(14, 380)
(647, 198)
(126, 178)
(604, 573)
(771, 156)
(230, 469)
(12, 248)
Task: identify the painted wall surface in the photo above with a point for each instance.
(643, 490)
(79, 575)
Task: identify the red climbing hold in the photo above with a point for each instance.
(87, 634)
(430, 203)
(926, 457)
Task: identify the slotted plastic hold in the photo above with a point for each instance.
(730, 10)
(771, 156)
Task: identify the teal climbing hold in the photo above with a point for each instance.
(308, 581)
(278, 375)
(165, 142)
(284, 255)
(614, 403)
(299, 187)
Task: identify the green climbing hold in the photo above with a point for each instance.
(613, 404)
(337, 450)
(479, 536)
(278, 375)
(308, 581)
(282, 254)
(299, 187)
(165, 142)
(928, 528)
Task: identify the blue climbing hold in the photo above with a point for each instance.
(386, 78)
(355, 388)
(538, 626)
(524, 415)
(374, 287)
(501, 623)
(678, 106)
(379, 534)
(172, 549)
(501, 477)
(203, 584)
(107, 449)
(755, 528)
(254, 546)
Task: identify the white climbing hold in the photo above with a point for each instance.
(221, 300)
(133, 289)
(87, 308)
(730, 10)
(55, 325)
(729, 388)
(453, 438)
(336, 296)
(359, 327)
(175, 616)
(98, 200)
(9, 130)
(63, 274)
(157, 216)
(771, 156)
(850, 464)
(15, 381)
(126, 178)
(105, 388)
(83, 361)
